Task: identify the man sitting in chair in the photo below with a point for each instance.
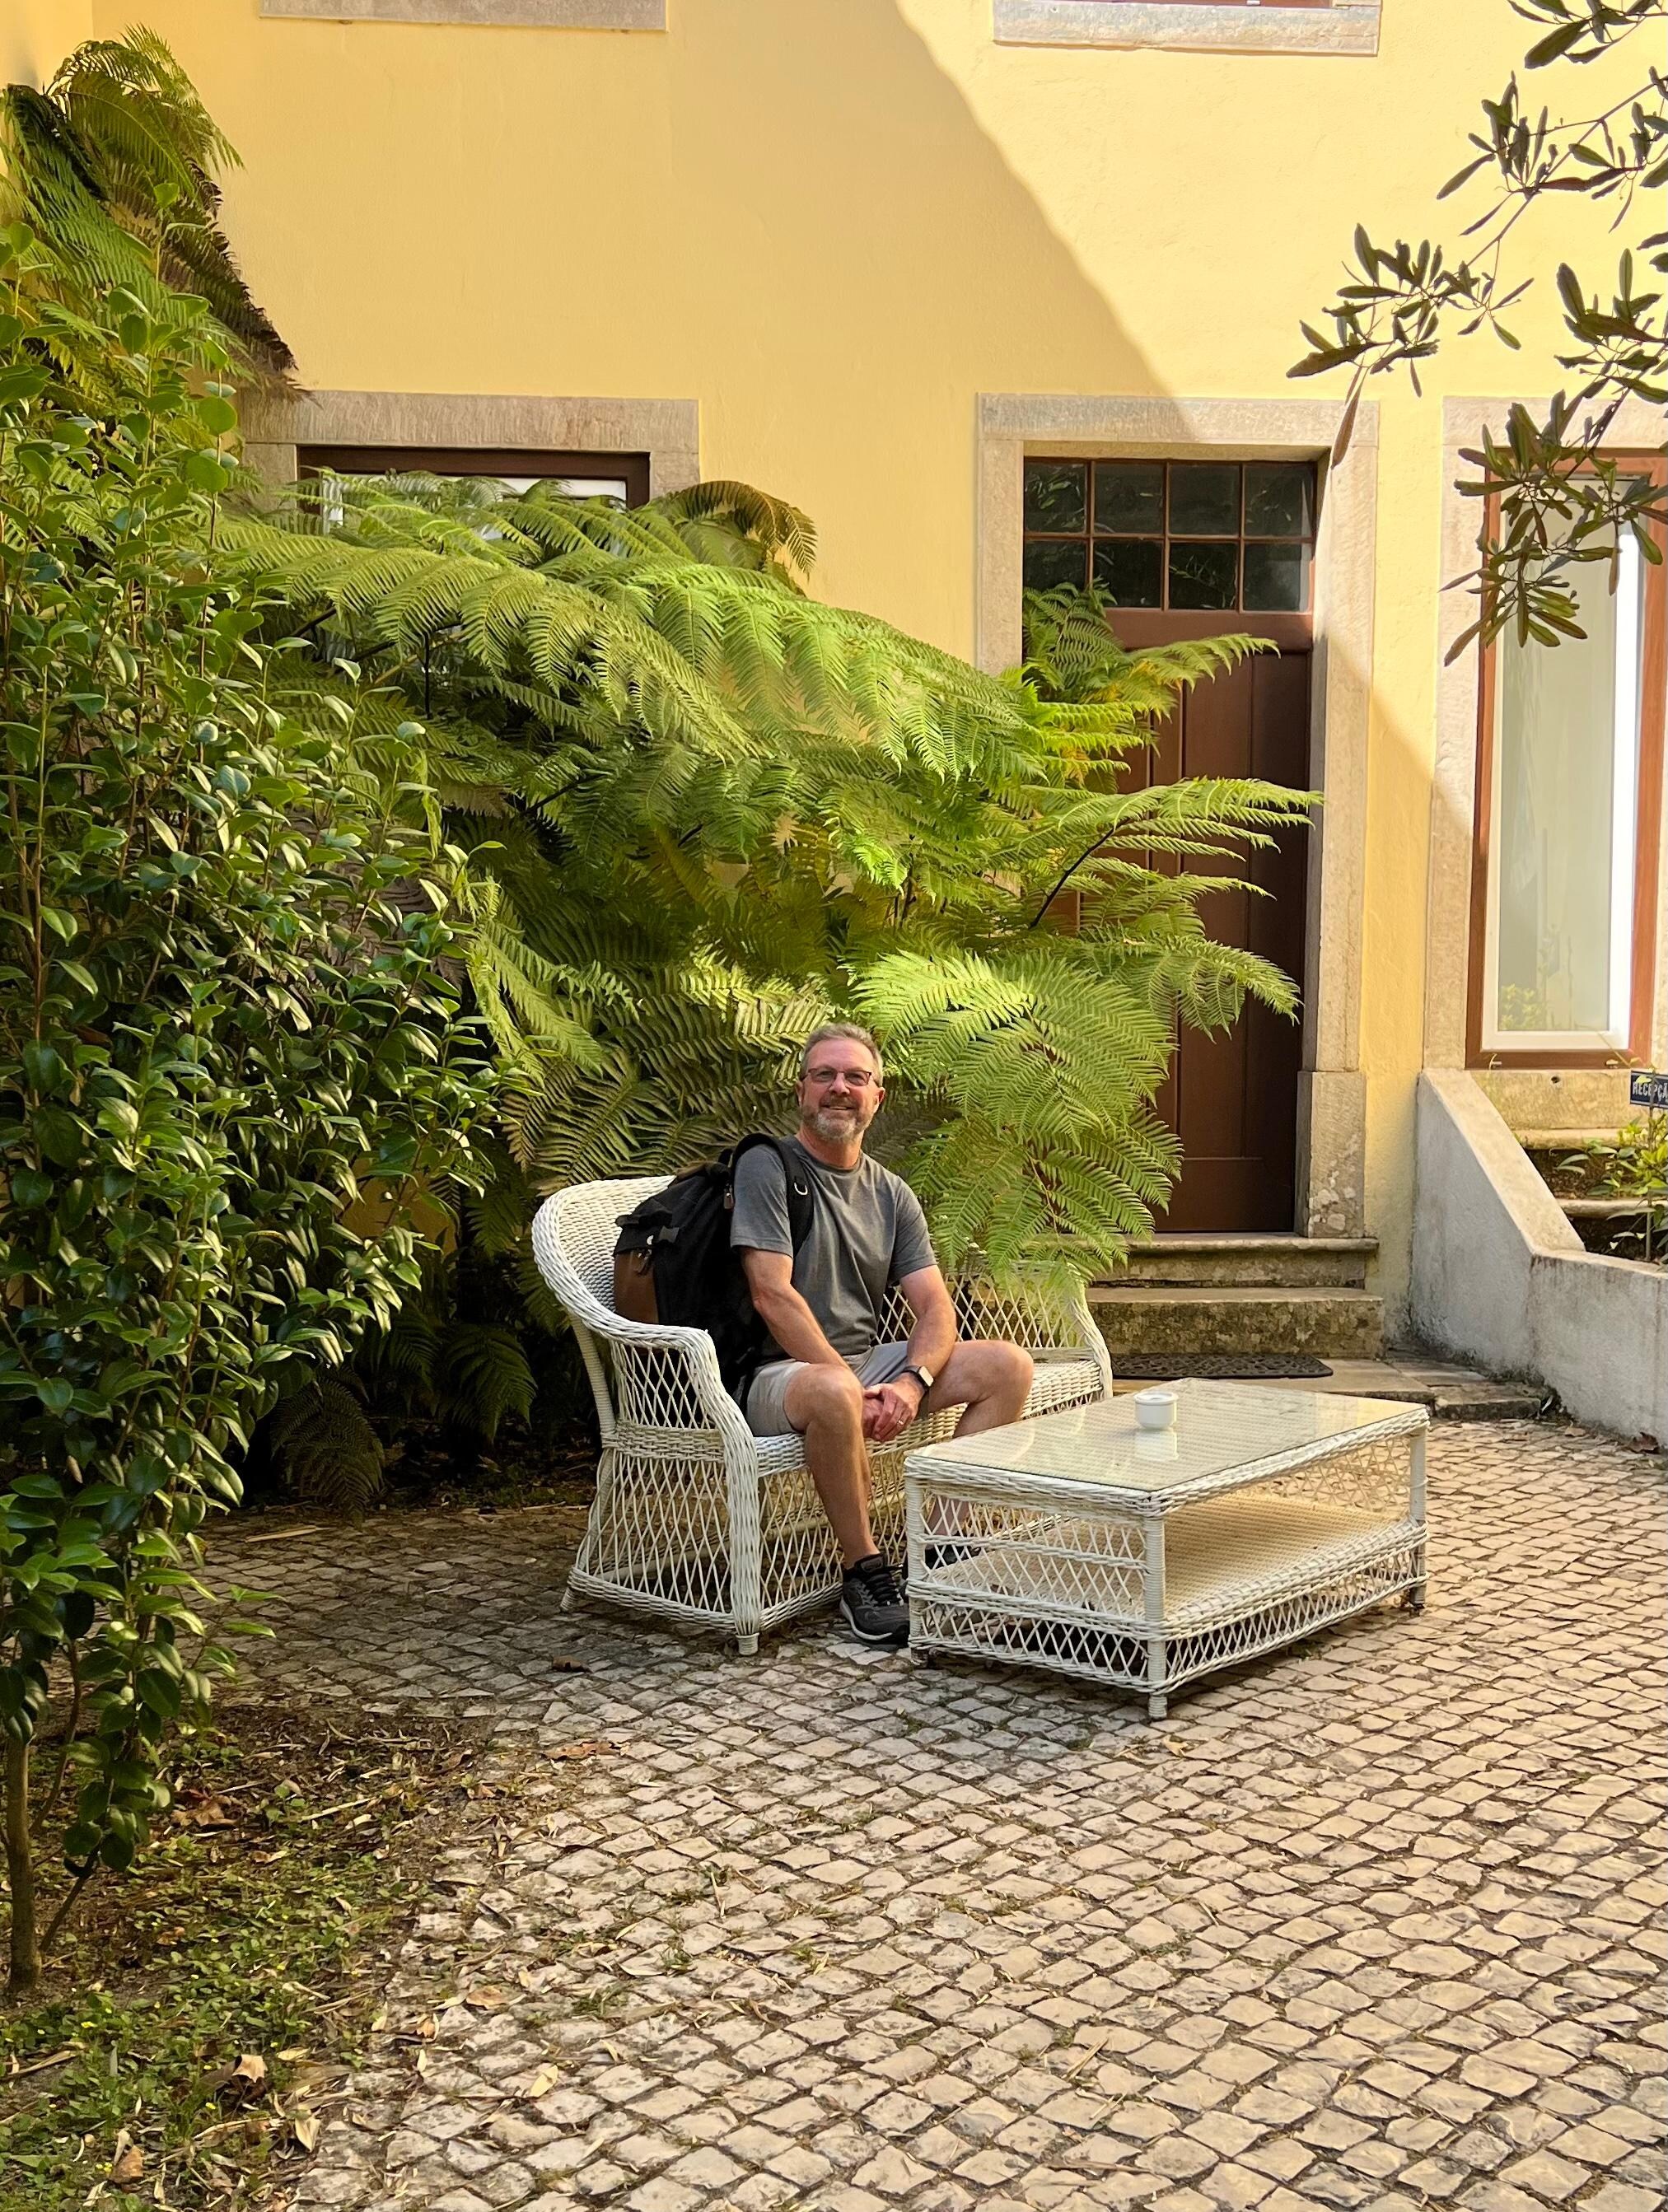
(836, 1382)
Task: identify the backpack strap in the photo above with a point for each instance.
(794, 1181)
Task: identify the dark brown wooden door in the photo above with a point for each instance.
(1200, 548)
(1231, 1097)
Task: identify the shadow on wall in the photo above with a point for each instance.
(896, 236)
(810, 232)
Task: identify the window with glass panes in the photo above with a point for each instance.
(1233, 536)
(623, 477)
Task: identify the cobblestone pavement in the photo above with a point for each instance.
(1373, 1923)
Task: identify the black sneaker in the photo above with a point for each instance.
(875, 1611)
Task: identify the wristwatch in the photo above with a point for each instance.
(923, 1376)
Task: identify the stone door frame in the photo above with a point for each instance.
(1331, 1134)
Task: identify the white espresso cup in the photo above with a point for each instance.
(1155, 1409)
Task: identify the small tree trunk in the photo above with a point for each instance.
(20, 1871)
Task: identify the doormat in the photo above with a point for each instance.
(1217, 1366)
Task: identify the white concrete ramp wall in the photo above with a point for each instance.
(1500, 1278)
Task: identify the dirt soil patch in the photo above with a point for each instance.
(197, 2026)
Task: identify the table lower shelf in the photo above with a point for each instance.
(1244, 1574)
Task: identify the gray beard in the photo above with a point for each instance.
(837, 1129)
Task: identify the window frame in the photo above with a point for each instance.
(1647, 832)
(1340, 29)
(479, 14)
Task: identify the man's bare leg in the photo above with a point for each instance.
(991, 1380)
(825, 1404)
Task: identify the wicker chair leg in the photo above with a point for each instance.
(747, 1556)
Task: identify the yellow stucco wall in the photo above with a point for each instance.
(35, 35)
(833, 224)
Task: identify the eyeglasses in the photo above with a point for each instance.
(856, 1078)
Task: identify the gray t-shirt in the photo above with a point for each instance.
(867, 1232)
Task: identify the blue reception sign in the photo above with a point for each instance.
(1646, 1087)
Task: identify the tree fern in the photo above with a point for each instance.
(702, 808)
(483, 1375)
(114, 164)
(321, 1440)
(709, 810)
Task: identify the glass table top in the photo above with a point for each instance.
(1219, 1428)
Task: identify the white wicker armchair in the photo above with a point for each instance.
(695, 1519)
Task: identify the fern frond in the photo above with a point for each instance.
(113, 166)
(721, 519)
(322, 1441)
(484, 1371)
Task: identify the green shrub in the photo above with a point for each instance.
(227, 1036)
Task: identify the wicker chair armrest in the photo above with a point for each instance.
(651, 1375)
(666, 1378)
(653, 1335)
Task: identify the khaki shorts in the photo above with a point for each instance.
(767, 1398)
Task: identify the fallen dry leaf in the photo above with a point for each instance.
(129, 2163)
(38, 2065)
(544, 2082)
(306, 2127)
(247, 2078)
(195, 1810)
(488, 1998)
(588, 1750)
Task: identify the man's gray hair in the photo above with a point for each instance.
(829, 1032)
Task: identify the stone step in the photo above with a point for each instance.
(1463, 1393)
(1270, 1262)
(1557, 1142)
(1451, 1392)
(1192, 1317)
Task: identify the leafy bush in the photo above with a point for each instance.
(1633, 1164)
(229, 1047)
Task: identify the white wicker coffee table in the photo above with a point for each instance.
(1079, 1542)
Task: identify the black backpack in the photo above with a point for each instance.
(672, 1261)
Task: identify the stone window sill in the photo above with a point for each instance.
(1347, 26)
(517, 15)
